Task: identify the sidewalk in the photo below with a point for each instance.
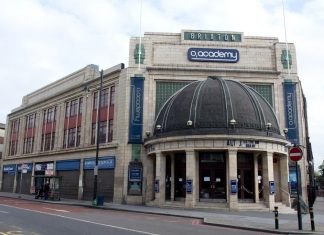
(257, 221)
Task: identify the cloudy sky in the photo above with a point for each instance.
(44, 40)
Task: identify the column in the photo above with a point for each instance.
(191, 174)
(172, 176)
(284, 183)
(15, 180)
(21, 134)
(232, 175)
(39, 131)
(32, 183)
(267, 168)
(80, 191)
(160, 176)
(60, 125)
(256, 181)
(87, 115)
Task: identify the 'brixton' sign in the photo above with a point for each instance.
(213, 55)
(207, 36)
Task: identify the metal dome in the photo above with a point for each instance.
(216, 106)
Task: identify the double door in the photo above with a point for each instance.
(212, 183)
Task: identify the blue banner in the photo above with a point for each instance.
(103, 163)
(68, 165)
(291, 112)
(136, 110)
(189, 186)
(213, 55)
(9, 169)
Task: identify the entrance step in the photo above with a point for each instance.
(252, 207)
(283, 209)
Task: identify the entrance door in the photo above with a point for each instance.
(212, 176)
(245, 175)
(180, 176)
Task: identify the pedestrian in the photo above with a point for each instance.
(40, 192)
(46, 190)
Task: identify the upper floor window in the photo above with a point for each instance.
(73, 107)
(112, 95)
(15, 126)
(49, 115)
(30, 121)
(104, 97)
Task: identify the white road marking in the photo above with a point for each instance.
(5, 212)
(55, 209)
(85, 221)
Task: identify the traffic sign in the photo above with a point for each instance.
(295, 154)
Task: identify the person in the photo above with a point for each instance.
(40, 192)
(46, 190)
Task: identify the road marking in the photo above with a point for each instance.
(81, 220)
(55, 209)
(5, 212)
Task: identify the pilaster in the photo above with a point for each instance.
(256, 180)
(191, 174)
(232, 175)
(80, 191)
(284, 183)
(267, 168)
(160, 176)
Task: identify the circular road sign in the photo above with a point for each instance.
(295, 154)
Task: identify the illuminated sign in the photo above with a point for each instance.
(213, 55)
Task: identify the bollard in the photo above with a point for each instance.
(311, 214)
(276, 217)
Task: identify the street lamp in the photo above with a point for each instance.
(95, 181)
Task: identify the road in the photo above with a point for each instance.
(33, 218)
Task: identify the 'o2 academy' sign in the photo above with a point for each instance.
(213, 55)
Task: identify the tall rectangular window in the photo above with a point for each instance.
(73, 108)
(110, 131)
(265, 90)
(112, 95)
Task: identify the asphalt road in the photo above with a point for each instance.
(32, 218)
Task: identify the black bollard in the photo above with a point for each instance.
(311, 214)
(276, 217)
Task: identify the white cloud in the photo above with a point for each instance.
(43, 40)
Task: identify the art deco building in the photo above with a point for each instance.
(197, 119)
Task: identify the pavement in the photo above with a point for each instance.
(249, 220)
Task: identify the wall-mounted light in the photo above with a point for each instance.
(147, 133)
(232, 122)
(268, 126)
(158, 127)
(285, 131)
(189, 123)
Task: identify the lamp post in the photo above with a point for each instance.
(95, 170)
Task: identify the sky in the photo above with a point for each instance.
(42, 41)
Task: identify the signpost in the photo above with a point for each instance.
(295, 154)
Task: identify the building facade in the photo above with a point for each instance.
(197, 119)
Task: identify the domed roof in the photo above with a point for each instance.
(216, 106)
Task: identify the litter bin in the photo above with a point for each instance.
(100, 200)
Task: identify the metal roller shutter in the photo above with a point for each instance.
(69, 184)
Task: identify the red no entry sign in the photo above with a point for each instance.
(295, 154)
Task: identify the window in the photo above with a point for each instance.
(67, 109)
(264, 90)
(95, 100)
(15, 126)
(13, 147)
(80, 105)
(164, 90)
(103, 131)
(30, 121)
(104, 97)
(93, 133)
(65, 138)
(110, 131)
(48, 142)
(71, 137)
(112, 95)
(73, 108)
(49, 115)
(28, 145)
(78, 136)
